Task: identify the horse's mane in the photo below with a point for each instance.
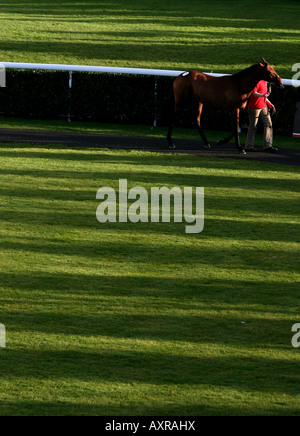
(246, 71)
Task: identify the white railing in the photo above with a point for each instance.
(113, 70)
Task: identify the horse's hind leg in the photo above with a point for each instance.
(169, 136)
(173, 117)
(199, 128)
(173, 122)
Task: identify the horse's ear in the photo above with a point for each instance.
(264, 62)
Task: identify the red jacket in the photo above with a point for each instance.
(259, 102)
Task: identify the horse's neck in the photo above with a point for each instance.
(250, 78)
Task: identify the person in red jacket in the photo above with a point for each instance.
(259, 108)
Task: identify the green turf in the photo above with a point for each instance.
(142, 319)
(206, 35)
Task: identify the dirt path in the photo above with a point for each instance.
(71, 139)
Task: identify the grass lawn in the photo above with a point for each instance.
(142, 319)
(207, 35)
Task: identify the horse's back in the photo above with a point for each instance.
(205, 88)
(192, 76)
(197, 80)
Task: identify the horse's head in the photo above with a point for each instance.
(269, 74)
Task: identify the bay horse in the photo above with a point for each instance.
(230, 93)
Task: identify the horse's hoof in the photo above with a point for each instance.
(207, 146)
(243, 152)
(172, 146)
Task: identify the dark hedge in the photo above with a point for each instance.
(32, 94)
(118, 99)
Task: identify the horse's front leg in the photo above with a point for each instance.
(199, 128)
(235, 116)
(236, 122)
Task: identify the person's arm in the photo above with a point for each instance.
(257, 94)
(271, 107)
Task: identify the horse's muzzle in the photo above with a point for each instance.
(279, 82)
